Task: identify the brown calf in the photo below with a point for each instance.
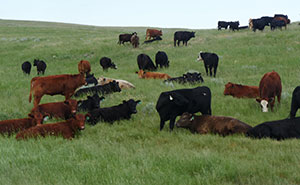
(241, 91)
(84, 67)
(153, 75)
(212, 124)
(153, 33)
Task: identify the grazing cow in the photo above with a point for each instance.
(152, 40)
(234, 25)
(210, 61)
(267, 20)
(259, 24)
(145, 63)
(152, 75)
(57, 84)
(153, 33)
(62, 110)
(90, 79)
(222, 24)
(115, 113)
(66, 129)
(241, 91)
(279, 129)
(84, 66)
(15, 125)
(183, 36)
(26, 67)
(123, 84)
(269, 87)
(187, 78)
(92, 102)
(171, 104)
(102, 89)
(278, 24)
(40, 66)
(106, 63)
(161, 59)
(295, 102)
(135, 41)
(125, 38)
(212, 124)
(287, 20)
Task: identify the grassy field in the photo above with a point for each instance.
(135, 151)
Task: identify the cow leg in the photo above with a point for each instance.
(278, 97)
(210, 72)
(36, 101)
(215, 71)
(206, 69)
(172, 122)
(162, 124)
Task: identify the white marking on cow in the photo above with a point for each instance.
(204, 94)
(171, 98)
(264, 104)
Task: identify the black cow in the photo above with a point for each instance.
(145, 63)
(111, 114)
(222, 24)
(210, 60)
(26, 67)
(157, 38)
(91, 103)
(106, 63)
(171, 104)
(102, 89)
(40, 66)
(258, 24)
(267, 20)
(183, 36)
(191, 78)
(90, 79)
(277, 24)
(295, 105)
(161, 59)
(279, 129)
(125, 38)
(234, 25)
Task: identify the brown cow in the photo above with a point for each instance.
(286, 21)
(153, 33)
(153, 75)
(212, 124)
(65, 84)
(269, 87)
(63, 110)
(241, 91)
(135, 41)
(15, 125)
(84, 67)
(67, 129)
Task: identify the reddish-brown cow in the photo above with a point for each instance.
(57, 84)
(63, 110)
(153, 75)
(67, 129)
(269, 87)
(84, 67)
(282, 19)
(153, 33)
(241, 91)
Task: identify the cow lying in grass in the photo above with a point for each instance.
(91, 103)
(187, 78)
(102, 89)
(212, 124)
(111, 114)
(123, 84)
(152, 75)
(66, 129)
(241, 91)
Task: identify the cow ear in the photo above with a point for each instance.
(136, 72)
(144, 72)
(138, 102)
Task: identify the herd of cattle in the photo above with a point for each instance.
(170, 104)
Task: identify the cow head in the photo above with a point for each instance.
(185, 120)
(80, 119)
(229, 88)
(113, 65)
(72, 104)
(141, 73)
(199, 56)
(132, 105)
(95, 99)
(115, 86)
(265, 103)
(38, 116)
(192, 34)
(35, 62)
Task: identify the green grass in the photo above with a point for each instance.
(135, 151)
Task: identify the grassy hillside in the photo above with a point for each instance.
(135, 151)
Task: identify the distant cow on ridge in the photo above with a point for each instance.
(153, 33)
(125, 38)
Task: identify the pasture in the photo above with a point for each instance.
(135, 151)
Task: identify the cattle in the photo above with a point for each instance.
(15, 125)
(269, 87)
(26, 67)
(84, 66)
(92, 102)
(123, 84)
(152, 40)
(241, 91)
(205, 124)
(40, 66)
(106, 63)
(102, 89)
(183, 36)
(278, 24)
(222, 24)
(171, 104)
(234, 25)
(152, 75)
(135, 41)
(145, 63)
(62, 110)
(66, 129)
(295, 102)
(152, 33)
(279, 129)
(90, 79)
(191, 78)
(114, 113)
(267, 20)
(210, 61)
(161, 59)
(276, 16)
(125, 38)
(65, 84)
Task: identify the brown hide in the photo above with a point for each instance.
(153, 75)
(153, 33)
(241, 91)
(84, 67)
